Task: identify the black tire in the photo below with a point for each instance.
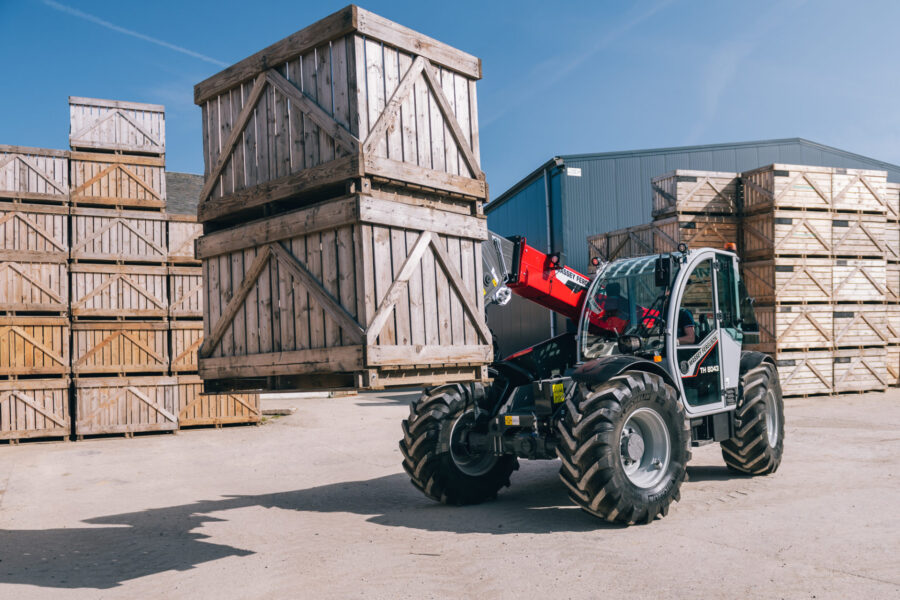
(751, 450)
(427, 457)
(590, 447)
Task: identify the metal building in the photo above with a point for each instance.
(568, 198)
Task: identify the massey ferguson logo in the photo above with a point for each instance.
(572, 280)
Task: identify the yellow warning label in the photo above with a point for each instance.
(508, 420)
(559, 393)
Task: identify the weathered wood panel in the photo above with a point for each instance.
(630, 242)
(892, 240)
(118, 235)
(859, 190)
(859, 235)
(860, 370)
(789, 279)
(697, 231)
(113, 180)
(805, 373)
(119, 347)
(787, 232)
(97, 124)
(34, 174)
(892, 283)
(892, 314)
(197, 408)
(704, 192)
(125, 405)
(787, 186)
(34, 346)
(860, 325)
(32, 408)
(804, 327)
(892, 200)
(185, 292)
(598, 247)
(119, 291)
(183, 232)
(34, 232)
(892, 365)
(185, 340)
(33, 287)
(859, 280)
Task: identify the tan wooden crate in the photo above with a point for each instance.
(119, 347)
(34, 232)
(860, 325)
(352, 95)
(859, 280)
(891, 240)
(892, 200)
(118, 235)
(31, 408)
(34, 174)
(892, 365)
(805, 373)
(108, 290)
(859, 190)
(704, 192)
(125, 405)
(697, 231)
(859, 235)
(598, 247)
(114, 180)
(892, 283)
(370, 292)
(787, 186)
(892, 316)
(860, 370)
(183, 232)
(96, 124)
(33, 287)
(802, 327)
(197, 408)
(630, 242)
(186, 292)
(185, 340)
(788, 279)
(34, 346)
(786, 232)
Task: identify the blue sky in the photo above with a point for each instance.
(560, 78)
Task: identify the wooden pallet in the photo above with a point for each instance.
(99, 179)
(196, 408)
(789, 279)
(858, 325)
(32, 346)
(119, 347)
(114, 125)
(805, 373)
(697, 192)
(185, 292)
(859, 280)
(352, 95)
(34, 232)
(183, 232)
(860, 370)
(132, 291)
(103, 234)
(34, 174)
(125, 405)
(786, 327)
(185, 338)
(34, 408)
(33, 287)
(786, 232)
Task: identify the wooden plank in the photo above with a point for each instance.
(34, 408)
(116, 235)
(34, 232)
(125, 405)
(120, 347)
(196, 408)
(115, 125)
(465, 295)
(34, 345)
(119, 291)
(30, 286)
(382, 355)
(299, 362)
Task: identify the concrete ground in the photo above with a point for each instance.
(315, 505)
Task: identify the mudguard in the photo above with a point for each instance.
(602, 369)
(751, 359)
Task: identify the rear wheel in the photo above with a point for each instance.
(437, 454)
(624, 446)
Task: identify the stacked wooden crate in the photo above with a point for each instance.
(892, 284)
(34, 327)
(362, 137)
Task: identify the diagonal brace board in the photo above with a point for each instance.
(452, 124)
(465, 296)
(34, 406)
(398, 287)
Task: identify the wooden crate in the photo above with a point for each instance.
(185, 340)
(630, 242)
(859, 190)
(860, 325)
(803, 327)
(34, 174)
(34, 232)
(787, 186)
(31, 408)
(183, 232)
(185, 292)
(891, 240)
(96, 124)
(102, 234)
(125, 405)
(34, 346)
(119, 347)
(860, 370)
(805, 373)
(33, 287)
(105, 290)
(697, 231)
(859, 235)
(859, 280)
(892, 283)
(366, 291)
(892, 365)
(892, 200)
(351, 95)
(197, 408)
(788, 279)
(786, 232)
(704, 192)
(114, 180)
(598, 247)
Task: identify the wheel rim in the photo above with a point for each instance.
(772, 423)
(645, 449)
(470, 463)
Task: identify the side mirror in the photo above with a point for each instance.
(663, 271)
(629, 344)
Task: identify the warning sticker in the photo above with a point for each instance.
(559, 393)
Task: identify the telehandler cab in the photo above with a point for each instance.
(654, 367)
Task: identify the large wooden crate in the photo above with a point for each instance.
(360, 291)
(891, 240)
(185, 340)
(697, 231)
(34, 232)
(860, 370)
(125, 405)
(31, 408)
(859, 190)
(119, 347)
(789, 279)
(786, 232)
(860, 325)
(859, 280)
(96, 124)
(892, 282)
(892, 328)
(183, 232)
(351, 95)
(892, 200)
(629, 242)
(785, 187)
(859, 235)
(101, 234)
(34, 346)
(106, 290)
(33, 287)
(115, 180)
(805, 373)
(892, 365)
(34, 174)
(185, 292)
(801, 327)
(197, 408)
(703, 192)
